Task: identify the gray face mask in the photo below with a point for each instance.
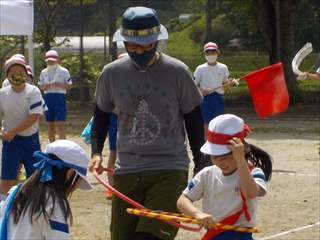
(143, 59)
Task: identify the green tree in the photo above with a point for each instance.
(8, 47)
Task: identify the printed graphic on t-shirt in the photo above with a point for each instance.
(145, 125)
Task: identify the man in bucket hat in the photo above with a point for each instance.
(154, 97)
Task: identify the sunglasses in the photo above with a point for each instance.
(131, 47)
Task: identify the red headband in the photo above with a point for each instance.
(223, 139)
(52, 56)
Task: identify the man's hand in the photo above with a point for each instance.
(8, 136)
(302, 76)
(96, 164)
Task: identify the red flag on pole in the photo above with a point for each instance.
(268, 90)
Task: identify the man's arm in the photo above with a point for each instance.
(194, 127)
(99, 131)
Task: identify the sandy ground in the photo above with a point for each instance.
(292, 201)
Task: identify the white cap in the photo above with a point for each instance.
(52, 55)
(18, 55)
(74, 155)
(220, 130)
(210, 46)
(14, 61)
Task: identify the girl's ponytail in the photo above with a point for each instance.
(259, 158)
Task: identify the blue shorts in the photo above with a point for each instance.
(19, 150)
(233, 235)
(212, 106)
(113, 129)
(56, 103)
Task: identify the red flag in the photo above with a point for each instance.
(268, 90)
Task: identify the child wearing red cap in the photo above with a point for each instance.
(228, 189)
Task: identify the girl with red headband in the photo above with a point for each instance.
(228, 189)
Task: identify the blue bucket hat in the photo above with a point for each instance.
(140, 25)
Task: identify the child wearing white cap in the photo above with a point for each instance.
(21, 106)
(54, 81)
(228, 189)
(6, 81)
(210, 77)
(39, 208)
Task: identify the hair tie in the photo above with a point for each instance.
(45, 163)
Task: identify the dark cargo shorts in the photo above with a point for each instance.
(156, 190)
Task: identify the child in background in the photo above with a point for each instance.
(39, 208)
(55, 81)
(229, 189)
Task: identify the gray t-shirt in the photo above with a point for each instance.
(150, 106)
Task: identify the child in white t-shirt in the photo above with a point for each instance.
(54, 81)
(39, 208)
(21, 106)
(228, 189)
(211, 78)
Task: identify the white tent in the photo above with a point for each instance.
(16, 18)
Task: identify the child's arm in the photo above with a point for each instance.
(28, 122)
(186, 206)
(248, 186)
(61, 85)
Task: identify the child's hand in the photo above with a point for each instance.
(205, 92)
(205, 220)
(8, 136)
(237, 148)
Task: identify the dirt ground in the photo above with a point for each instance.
(292, 201)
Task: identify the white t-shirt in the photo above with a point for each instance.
(58, 75)
(5, 83)
(208, 77)
(15, 107)
(318, 70)
(221, 194)
(57, 228)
